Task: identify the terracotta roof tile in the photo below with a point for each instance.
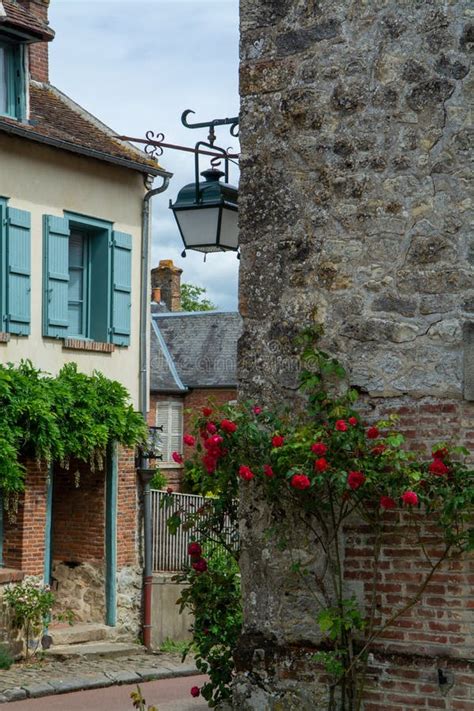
(17, 17)
(55, 117)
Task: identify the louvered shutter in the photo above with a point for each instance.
(176, 427)
(121, 291)
(56, 276)
(162, 421)
(18, 274)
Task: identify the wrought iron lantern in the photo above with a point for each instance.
(206, 213)
(153, 445)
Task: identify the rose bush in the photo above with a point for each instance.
(319, 462)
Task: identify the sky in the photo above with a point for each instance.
(137, 65)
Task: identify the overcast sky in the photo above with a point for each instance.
(137, 66)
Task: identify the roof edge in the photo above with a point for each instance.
(177, 314)
(17, 130)
(169, 360)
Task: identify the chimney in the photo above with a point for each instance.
(38, 51)
(167, 278)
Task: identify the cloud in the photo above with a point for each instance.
(137, 66)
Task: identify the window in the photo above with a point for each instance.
(169, 415)
(15, 269)
(78, 283)
(12, 80)
(87, 280)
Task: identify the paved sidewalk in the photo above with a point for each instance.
(47, 677)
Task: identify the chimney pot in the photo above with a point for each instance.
(167, 278)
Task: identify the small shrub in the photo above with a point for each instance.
(6, 659)
(30, 606)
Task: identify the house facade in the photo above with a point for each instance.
(73, 236)
(193, 364)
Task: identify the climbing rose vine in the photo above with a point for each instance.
(319, 464)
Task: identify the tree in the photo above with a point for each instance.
(191, 299)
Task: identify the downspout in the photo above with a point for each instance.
(144, 469)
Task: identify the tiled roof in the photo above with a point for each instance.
(18, 18)
(59, 121)
(194, 350)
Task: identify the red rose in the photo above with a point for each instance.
(246, 473)
(206, 411)
(410, 498)
(355, 480)
(438, 467)
(379, 449)
(386, 502)
(194, 549)
(300, 481)
(228, 426)
(211, 428)
(372, 433)
(195, 691)
(321, 465)
(200, 566)
(177, 457)
(257, 410)
(210, 463)
(440, 453)
(319, 448)
(189, 440)
(277, 441)
(268, 471)
(214, 441)
(341, 425)
(352, 421)
(169, 490)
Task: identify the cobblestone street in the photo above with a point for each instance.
(47, 677)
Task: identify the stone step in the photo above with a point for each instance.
(81, 632)
(94, 649)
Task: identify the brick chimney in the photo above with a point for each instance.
(167, 277)
(38, 51)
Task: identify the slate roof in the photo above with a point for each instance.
(57, 120)
(18, 18)
(194, 350)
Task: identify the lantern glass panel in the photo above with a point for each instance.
(198, 226)
(229, 229)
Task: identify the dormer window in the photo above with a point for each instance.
(12, 81)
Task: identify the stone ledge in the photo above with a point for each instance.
(77, 344)
(4, 337)
(11, 575)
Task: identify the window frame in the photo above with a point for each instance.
(92, 228)
(15, 79)
(167, 461)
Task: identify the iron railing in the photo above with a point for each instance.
(170, 550)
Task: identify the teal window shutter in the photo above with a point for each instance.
(121, 289)
(18, 271)
(56, 276)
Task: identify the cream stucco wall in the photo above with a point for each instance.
(45, 180)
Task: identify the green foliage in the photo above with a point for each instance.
(318, 465)
(139, 703)
(6, 659)
(30, 607)
(213, 598)
(58, 418)
(159, 480)
(192, 298)
(170, 646)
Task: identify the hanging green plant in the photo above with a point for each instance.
(69, 416)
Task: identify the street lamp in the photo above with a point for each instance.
(207, 215)
(206, 212)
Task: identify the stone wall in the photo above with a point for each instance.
(354, 208)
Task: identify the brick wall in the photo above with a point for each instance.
(38, 51)
(78, 514)
(127, 510)
(24, 538)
